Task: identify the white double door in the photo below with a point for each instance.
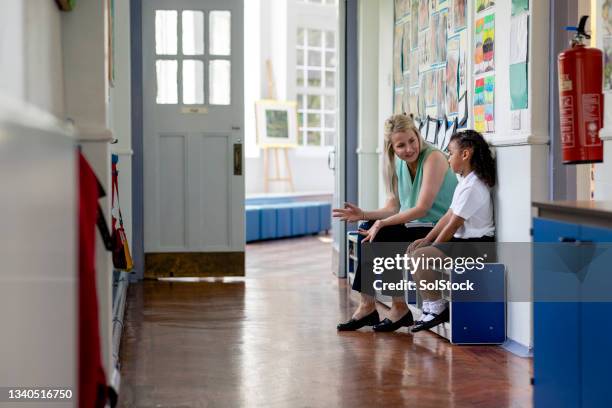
(193, 114)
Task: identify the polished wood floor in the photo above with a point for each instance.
(269, 340)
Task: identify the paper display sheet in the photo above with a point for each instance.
(484, 104)
(519, 33)
(484, 40)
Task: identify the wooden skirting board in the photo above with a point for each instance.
(193, 264)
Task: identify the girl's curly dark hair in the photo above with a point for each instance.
(482, 160)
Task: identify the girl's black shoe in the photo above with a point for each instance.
(388, 326)
(355, 324)
(441, 318)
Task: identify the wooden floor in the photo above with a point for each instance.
(269, 340)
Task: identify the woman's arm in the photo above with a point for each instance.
(434, 170)
(454, 223)
(390, 208)
(352, 213)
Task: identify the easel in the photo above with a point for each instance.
(288, 178)
(267, 151)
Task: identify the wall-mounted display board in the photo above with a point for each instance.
(430, 60)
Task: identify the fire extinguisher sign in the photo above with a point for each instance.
(567, 120)
(591, 106)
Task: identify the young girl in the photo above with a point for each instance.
(468, 220)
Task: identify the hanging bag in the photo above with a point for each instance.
(122, 258)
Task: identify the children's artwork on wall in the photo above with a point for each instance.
(413, 101)
(397, 56)
(458, 15)
(440, 79)
(452, 76)
(482, 5)
(422, 96)
(423, 15)
(484, 104)
(400, 9)
(398, 104)
(414, 28)
(424, 52)
(441, 36)
(406, 47)
(432, 35)
(484, 39)
(413, 64)
(462, 69)
(519, 6)
(430, 88)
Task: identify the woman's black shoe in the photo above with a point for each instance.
(441, 318)
(389, 326)
(355, 324)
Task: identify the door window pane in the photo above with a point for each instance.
(329, 39)
(220, 80)
(314, 78)
(314, 120)
(300, 77)
(329, 138)
(330, 102)
(193, 82)
(165, 32)
(330, 121)
(314, 138)
(300, 57)
(314, 38)
(193, 32)
(330, 79)
(167, 88)
(220, 32)
(314, 58)
(330, 59)
(314, 102)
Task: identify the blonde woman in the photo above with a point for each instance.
(420, 186)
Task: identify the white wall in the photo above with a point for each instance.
(31, 68)
(44, 86)
(12, 54)
(86, 103)
(120, 120)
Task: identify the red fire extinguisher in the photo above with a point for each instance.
(581, 99)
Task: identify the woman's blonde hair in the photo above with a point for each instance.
(396, 124)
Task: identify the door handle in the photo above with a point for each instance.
(237, 159)
(331, 159)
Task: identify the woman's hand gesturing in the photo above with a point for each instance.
(349, 213)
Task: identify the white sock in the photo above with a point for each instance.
(425, 307)
(438, 306)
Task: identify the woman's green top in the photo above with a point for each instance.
(408, 189)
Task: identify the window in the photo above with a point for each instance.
(316, 86)
(170, 61)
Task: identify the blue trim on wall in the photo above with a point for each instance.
(351, 100)
(137, 159)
